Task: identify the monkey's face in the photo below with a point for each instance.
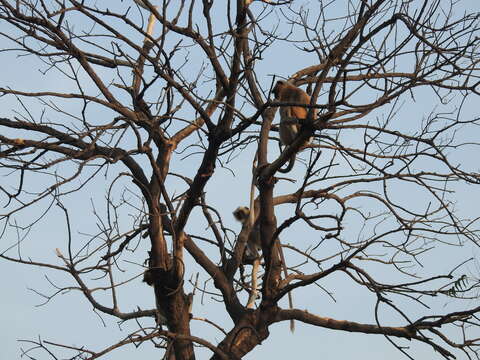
(241, 214)
(278, 88)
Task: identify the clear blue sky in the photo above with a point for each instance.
(68, 318)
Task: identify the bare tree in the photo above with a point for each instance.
(167, 101)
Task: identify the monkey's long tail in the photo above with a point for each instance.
(289, 167)
(290, 303)
(285, 273)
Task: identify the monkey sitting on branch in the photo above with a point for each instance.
(242, 214)
(254, 244)
(290, 116)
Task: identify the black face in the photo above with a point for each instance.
(241, 214)
(277, 87)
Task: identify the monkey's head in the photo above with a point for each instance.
(279, 86)
(241, 214)
(148, 277)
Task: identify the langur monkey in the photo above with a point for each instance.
(254, 244)
(290, 115)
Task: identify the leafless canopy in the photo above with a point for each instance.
(129, 133)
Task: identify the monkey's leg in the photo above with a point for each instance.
(288, 130)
